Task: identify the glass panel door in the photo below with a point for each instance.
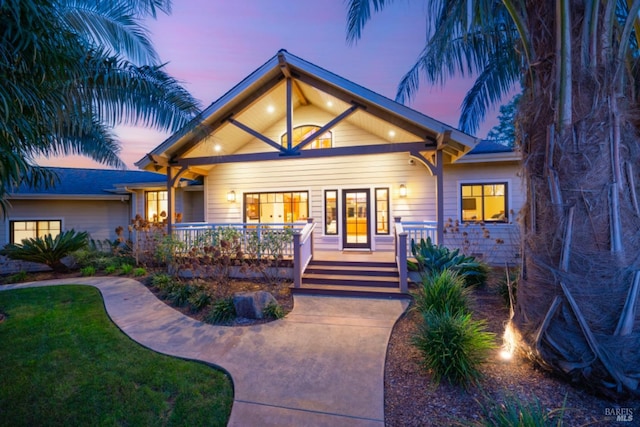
(355, 212)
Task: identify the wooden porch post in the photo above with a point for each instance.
(171, 197)
(401, 254)
(439, 172)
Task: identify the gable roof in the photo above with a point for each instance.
(313, 85)
(91, 183)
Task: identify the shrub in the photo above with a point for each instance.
(199, 300)
(126, 268)
(180, 294)
(161, 280)
(273, 311)
(453, 346)
(89, 270)
(47, 250)
(92, 255)
(516, 412)
(139, 271)
(436, 258)
(442, 291)
(110, 269)
(20, 276)
(222, 311)
(164, 283)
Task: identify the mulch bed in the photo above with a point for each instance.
(412, 399)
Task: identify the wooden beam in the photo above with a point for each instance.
(326, 127)
(256, 134)
(158, 160)
(398, 147)
(202, 129)
(443, 139)
(426, 162)
(289, 114)
(286, 71)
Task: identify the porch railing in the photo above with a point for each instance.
(200, 234)
(405, 233)
(417, 230)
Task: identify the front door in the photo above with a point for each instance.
(356, 230)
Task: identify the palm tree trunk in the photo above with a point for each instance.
(581, 222)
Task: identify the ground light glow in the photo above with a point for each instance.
(508, 343)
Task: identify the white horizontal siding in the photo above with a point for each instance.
(492, 252)
(386, 170)
(97, 217)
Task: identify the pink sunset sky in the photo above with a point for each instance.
(211, 45)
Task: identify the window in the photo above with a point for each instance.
(331, 212)
(301, 133)
(276, 208)
(20, 230)
(484, 202)
(157, 205)
(382, 211)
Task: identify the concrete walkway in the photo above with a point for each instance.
(322, 365)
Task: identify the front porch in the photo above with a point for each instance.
(295, 242)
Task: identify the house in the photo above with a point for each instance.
(293, 142)
(93, 200)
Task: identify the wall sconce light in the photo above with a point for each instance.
(231, 196)
(403, 190)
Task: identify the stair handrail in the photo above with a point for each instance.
(302, 251)
(400, 238)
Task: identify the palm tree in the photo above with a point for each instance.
(578, 130)
(69, 71)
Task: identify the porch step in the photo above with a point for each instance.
(349, 291)
(351, 278)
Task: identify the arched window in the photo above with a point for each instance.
(300, 133)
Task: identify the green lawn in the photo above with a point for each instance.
(63, 362)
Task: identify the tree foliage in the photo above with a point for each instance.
(69, 71)
(505, 132)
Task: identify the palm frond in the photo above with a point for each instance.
(111, 25)
(123, 93)
(93, 140)
(498, 78)
(359, 14)
(447, 55)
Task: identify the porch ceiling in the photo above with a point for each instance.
(270, 109)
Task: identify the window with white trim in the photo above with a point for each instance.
(331, 212)
(382, 211)
(486, 202)
(157, 205)
(282, 207)
(31, 229)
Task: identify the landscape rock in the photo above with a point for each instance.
(251, 304)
